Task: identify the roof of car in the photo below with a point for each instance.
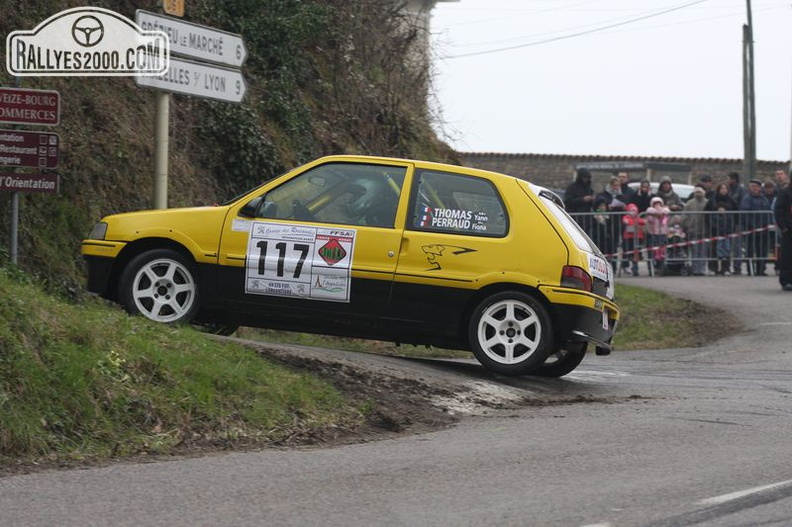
(417, 162)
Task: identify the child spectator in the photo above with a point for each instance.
(657, 230)
(632, 236)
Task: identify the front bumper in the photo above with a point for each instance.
(99, 257)
(581, 316)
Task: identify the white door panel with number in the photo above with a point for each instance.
(301, 261)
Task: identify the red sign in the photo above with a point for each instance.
(23, 106)
(28, 149)
(48, 183)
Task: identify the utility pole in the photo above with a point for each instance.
(749, 100)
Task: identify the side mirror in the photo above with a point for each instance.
(250, 208)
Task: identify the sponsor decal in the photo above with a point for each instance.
(598, 267)
(87, 41)
(332, 252)
(455, 219)
(434, 253)
(314, 263)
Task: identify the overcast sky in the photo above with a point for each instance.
(611, 77)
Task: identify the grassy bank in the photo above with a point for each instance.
(87, 381)
(653, 320)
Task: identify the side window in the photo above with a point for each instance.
(348, 193)
(458, 204)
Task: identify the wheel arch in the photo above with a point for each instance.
(137, 247)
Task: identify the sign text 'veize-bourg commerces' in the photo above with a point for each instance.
(28, 149)
(46, 183)
(26, 106)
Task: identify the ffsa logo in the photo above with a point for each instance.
(87, 41)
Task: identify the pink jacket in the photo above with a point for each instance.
(657, 217)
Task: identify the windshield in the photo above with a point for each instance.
(556, 207)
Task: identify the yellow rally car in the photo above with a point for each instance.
(370, 247)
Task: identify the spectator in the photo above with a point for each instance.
(643, 196)
(695, 224)
(782, 179)
(771, 193)
(737, 192)
(657, 231)
(783, 218)
(755, 222)
(670, 198)
(722, 225)
(632, 237)
(612, 196)
(705, 182)
(604, 232)
(769, 190)
(579, 199)
(626, 190)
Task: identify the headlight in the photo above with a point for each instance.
(99, 231)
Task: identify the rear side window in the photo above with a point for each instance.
(457, 204)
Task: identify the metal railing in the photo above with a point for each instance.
(685, 243)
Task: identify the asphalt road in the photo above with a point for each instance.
(662, 438)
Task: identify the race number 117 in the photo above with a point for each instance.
(286, 257)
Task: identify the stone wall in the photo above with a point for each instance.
(557, 171)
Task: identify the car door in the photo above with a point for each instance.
(456, 232)
(320, 247)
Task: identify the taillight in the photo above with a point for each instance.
(575, 278)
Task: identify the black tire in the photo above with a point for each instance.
(510, 333)
(562, 361)
(161, 285)
(214, 328)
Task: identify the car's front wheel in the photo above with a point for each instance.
(160, 284)
(511, 333)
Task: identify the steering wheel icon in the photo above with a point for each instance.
(87, 31)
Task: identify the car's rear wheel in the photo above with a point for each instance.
(562, 361)
(160, 284)
(511, 333)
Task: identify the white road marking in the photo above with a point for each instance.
(719, 500)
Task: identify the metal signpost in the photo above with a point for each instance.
(212, 74)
